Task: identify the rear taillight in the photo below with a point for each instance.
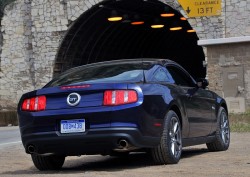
(119, 97)
(34, 104)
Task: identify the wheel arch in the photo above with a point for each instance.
(176, 109)
(224, 105)
(179, 109)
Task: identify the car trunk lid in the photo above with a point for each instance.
(90, 95)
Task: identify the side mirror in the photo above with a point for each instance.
(202, 83)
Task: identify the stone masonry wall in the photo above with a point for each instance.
(50, 21)
(33, 29)
(237, 21)
(230, 55)
(220, 57)
(17, 73)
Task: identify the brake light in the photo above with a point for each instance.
(75, 87)
(119, 97)
(34, 104)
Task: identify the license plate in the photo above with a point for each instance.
(73, 126)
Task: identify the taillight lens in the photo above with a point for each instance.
(119, 97)
(34, 104)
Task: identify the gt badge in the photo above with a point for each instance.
(73, 99)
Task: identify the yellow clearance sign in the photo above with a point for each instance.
(199, 8)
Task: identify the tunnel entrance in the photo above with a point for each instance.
(142, 29)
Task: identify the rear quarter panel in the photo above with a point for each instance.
(159, 99)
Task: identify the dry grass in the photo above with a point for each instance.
(240, 122)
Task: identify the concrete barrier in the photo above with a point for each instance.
(8, 118)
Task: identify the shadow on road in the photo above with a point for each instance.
(105, 163)
(187, 153)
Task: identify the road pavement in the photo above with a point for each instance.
(9, 136)
(196, 161)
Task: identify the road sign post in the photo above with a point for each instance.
(199, 8)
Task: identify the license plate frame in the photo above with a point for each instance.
(72, 126)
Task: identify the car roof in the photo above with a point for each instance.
(153, 61)
(123, 61)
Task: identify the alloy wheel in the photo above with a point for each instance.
(175, 135)
(224, 124)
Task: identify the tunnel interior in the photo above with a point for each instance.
(93, 38)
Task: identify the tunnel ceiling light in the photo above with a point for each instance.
(167, 14)
(137, 20)
(137, 23)
(183, 18)
(114, 17)
(191, 31)
(157, 26)
(176, 28)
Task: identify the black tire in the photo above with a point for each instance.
(170, 148)
(51, 162)
(222, 141)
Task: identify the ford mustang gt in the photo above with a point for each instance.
(121, 106)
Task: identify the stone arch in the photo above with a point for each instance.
(89, 37)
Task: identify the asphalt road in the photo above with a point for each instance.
(9, 136)
(196, 161)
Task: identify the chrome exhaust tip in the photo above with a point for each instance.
(123, 143)
(31, 149)
(124, 146)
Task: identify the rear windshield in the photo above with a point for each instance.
(110, 73)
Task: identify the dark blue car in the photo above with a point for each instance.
(115, 107)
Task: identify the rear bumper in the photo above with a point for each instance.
(94, 141)
(104, 126)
